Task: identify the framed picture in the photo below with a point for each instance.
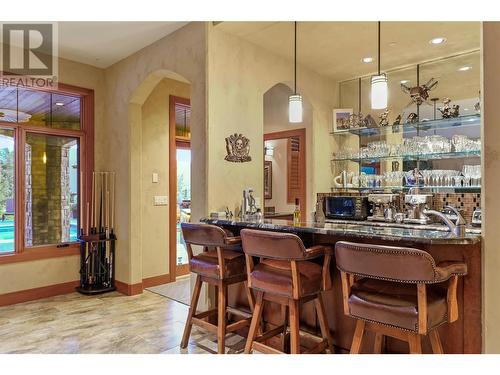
(268, 179)
(342, 119)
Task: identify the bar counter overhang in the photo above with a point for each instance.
(462, 336)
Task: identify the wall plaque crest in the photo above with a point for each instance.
(238, 148)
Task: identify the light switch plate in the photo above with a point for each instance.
(161, 200)
(155, 178)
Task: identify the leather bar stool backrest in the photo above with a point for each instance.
(272, 245)
(403, 301)
(398, 264)
(204, 234)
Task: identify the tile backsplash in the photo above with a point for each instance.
(465, 202)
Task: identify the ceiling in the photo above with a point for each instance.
(336, 49)
(102, 44)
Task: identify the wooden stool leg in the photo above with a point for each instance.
(221, 317)
(415, 343)
(437, 347)
(284, 319)
(192, 311)
(250, 297)
(293, 305)
(255, 324)
(323, 322)
(379, 342)
(358, 337)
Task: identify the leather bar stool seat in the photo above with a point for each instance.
(221, 263)
(287, 275)
(275, 276)
(398, 292)
(207, 264)
(396, 304)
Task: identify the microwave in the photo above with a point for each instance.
(346, 207)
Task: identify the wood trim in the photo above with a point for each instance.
(301, 134)
(38, 253)
(155, 280)
(128, 289)
(172, 183)
(85, 138)
(38, 293)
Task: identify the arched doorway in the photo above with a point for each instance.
(153, 197)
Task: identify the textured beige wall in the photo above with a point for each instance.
(15, 277)
(491, 182)
(155, 153)
(239, 73)
(180, 55)
(35, 274)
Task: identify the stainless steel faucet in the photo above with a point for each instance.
(458, 228)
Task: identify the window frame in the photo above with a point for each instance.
(85, 138)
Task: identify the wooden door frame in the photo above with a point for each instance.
(301, 134)
(172, 188)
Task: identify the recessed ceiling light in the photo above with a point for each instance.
(404, 81)
(367, 60)
(439, 40)
(464, 68)
(60, 104)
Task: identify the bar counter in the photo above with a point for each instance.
(462, 336)
(429, 234)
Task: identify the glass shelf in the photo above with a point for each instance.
(462, 121)
(462, 189)
(446, 155)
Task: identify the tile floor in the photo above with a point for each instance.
(108, 323)
(179, 290)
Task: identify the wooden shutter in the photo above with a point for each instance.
(293, 171)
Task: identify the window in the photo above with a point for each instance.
(51, 194)
(44, 139)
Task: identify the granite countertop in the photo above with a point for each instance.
(354, 230)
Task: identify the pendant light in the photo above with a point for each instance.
(295, 100)
(379, 84)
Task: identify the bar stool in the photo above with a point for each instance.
(285, 275)
(394, 291)
(221, 263)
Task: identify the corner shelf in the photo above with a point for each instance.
(439, 124)
(437, 189)
(444, 155)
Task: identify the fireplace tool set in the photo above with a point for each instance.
(97, 237)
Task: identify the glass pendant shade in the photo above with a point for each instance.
(379, 91)
(295, 108)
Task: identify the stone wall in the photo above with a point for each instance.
(48, 209)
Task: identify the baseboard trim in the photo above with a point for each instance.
(128, 289)
(38, 293)
(133, 289)
(69, 287)
(155, 280)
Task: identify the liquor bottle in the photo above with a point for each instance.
(296, 213)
